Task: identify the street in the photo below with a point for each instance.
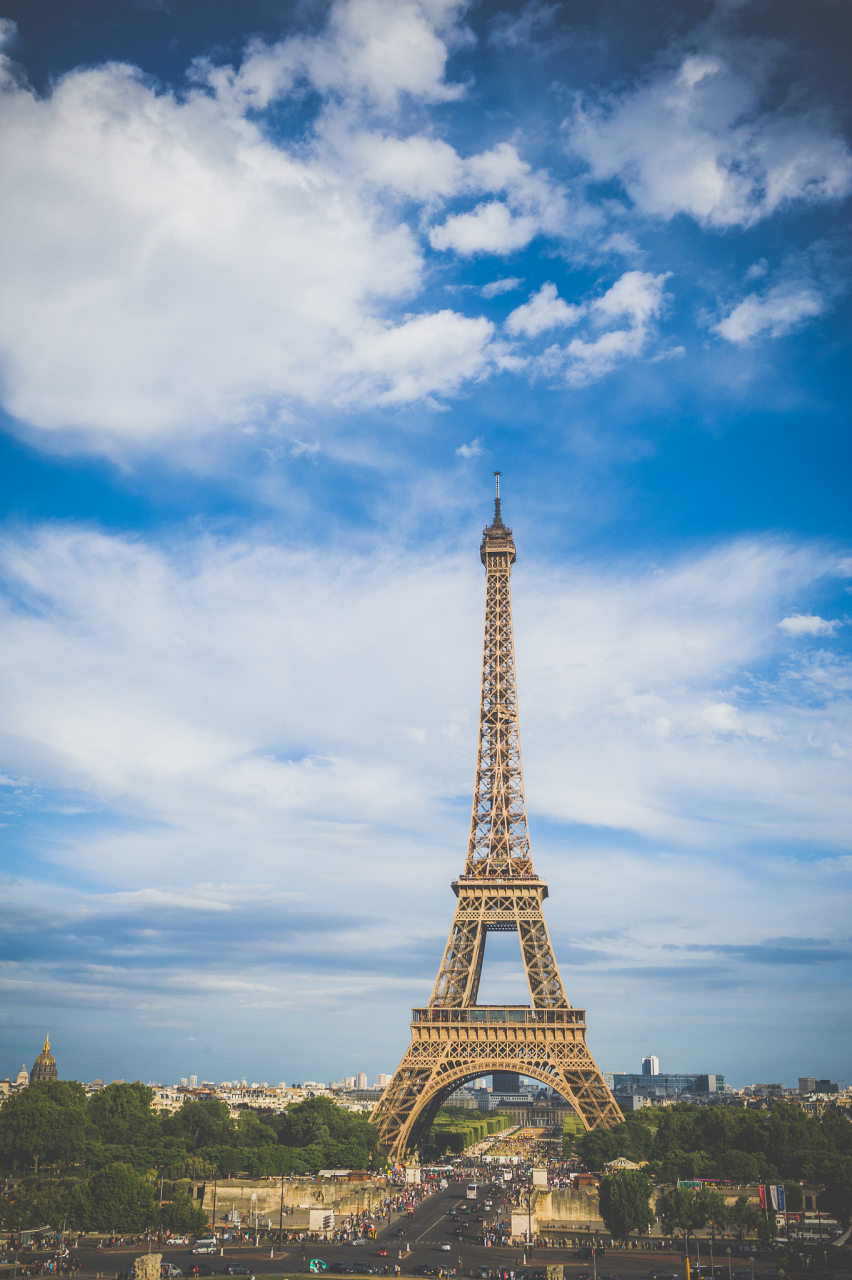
(426, 1229)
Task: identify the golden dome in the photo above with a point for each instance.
(44, 1067)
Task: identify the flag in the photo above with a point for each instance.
(773, 1196)
(761, 1191)
(782, 1204)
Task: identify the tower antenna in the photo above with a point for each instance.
(498, 519)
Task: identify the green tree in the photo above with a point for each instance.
(180, 1214)
(46, 1121)
(202, 1124)
(120, 1199)
(678, 1209)
(743, 1214)
(598, 1147)
(625, 1202)
(710, 1207)
(122, 1114)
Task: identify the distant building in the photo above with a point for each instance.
(193, 1082)
(383, 1081)
(651, 1065)
(506, 1082)
(44, 1067)
(667, 1085)
(361, 1080)
(183, 1082)
(23, 1077)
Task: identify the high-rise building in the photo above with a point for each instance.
(183, 1082)
(506, 1082)
(383, 1081)
(361, 1080)
(650, 1065)
(349, 1082)
(193, 1082)
(807, 1084)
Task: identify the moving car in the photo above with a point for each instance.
(204, 1246)
(381, 1253)
(446, 1246)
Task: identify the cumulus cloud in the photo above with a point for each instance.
(169, 266)
(773, 314)
(545, 310)
(808, 624)
(472, 450)
(635, 300)
(533, 205)
(695, 139)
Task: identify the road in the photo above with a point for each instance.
(426, 1229)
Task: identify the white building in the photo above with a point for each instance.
(650, 1065)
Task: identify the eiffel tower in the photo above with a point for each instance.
(455, 1040)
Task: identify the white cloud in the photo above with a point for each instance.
(806, 624)
(472, 450)
(534, 205)
(169, 268)
(773, 314)
(637, 298)
(496, 287)
(214, 692)
(693, 139)
(545, 310)
(242, 721)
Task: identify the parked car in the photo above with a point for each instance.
(178, 1240)
(234, 1270)
(663, 1274)
(169, 1272)
(363, 1269)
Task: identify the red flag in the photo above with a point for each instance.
(761, 1191)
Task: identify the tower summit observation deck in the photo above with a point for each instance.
(454, 1040)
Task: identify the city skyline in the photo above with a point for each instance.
(282, 290)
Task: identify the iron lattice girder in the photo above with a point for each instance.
(445, 1054)
(454, 1040)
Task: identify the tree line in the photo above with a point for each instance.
(783, 1145)
(103, 1161)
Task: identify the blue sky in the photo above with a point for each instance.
(283, 285)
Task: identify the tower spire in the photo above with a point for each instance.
(498, 519)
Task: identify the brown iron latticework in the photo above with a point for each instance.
(454, 1040)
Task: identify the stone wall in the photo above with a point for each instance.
(300, 1194)
(559, 1208)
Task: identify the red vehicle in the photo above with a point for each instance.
(382, 1253)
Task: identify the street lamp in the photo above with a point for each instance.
(728, 1252)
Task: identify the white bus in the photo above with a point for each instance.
(471, 1191)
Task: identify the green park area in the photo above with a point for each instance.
(741, 1148)
(97, 1163)
(455, 1129)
